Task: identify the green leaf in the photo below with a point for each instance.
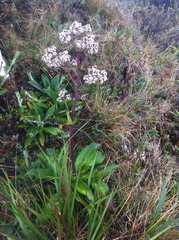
(69, 120)
(43, 105)
(43, 98)
(80, 198)
(100, 187)
(42, 138)
(2, 92)
(27, 118)
(45, 80)
(87, 157)
(28, 141)
(106, 170)
(19, 99)
(52, 130)
(32, 131)
(55, 25)
(99, 157)
(164, 231)
(31, 95)
(59, 27)
(29, 74)
(22, 125)
(38, 111)
(1, 80)
(55, 83)
(153, 223)
(53, 95)
(37, 86)
(86, 176)
(49, 113)
(82, 188)
(42, 173)
(17, 54)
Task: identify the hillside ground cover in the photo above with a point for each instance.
(89, 120)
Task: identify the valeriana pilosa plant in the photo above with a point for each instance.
(75, 64)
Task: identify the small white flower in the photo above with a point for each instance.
(80, 44)
(93, 48)
(65, 36)
(76, 28)
(61, 95)
(87, 43)
(87, 28)
(64, 57)
(67, 96)
(89, 79)
(74, 25)
(52, 59)
(89, 39)
(94, 75)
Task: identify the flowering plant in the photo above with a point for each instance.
(84, 45)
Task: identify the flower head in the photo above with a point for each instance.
(87, 28)
(76, 28)
(63, 94)
(94, 75)
(88, 44)
(52, 59)
(65, 36)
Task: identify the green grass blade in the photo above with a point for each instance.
(160, 204)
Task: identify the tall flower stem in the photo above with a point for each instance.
(77, 87)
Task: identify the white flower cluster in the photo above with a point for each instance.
(65, 36)
(87, 43)
(63, 94)
(54, 59)
(75, 29)
(94, 75)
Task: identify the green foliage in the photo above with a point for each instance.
(91, 172)
(38, 123)
(50, 208)
(2, 91)
(42, 109)
(49, 87)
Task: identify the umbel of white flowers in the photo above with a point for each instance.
(63, 94)
(94, 75)
(76, 35)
